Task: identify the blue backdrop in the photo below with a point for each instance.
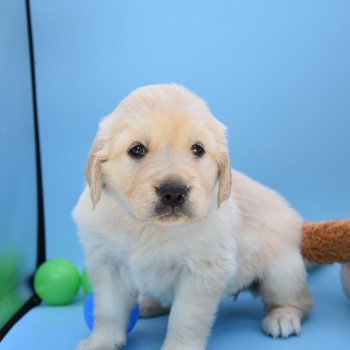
(276, 73)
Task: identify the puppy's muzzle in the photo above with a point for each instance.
(172, 194)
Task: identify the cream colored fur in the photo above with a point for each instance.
(237, 235)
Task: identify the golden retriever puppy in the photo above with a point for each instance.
(160, 217)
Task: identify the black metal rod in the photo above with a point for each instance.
(41, 257)
(34, 300)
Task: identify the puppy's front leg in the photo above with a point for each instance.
(192, 314)
(112, 304)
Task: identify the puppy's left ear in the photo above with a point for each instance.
(225, 178)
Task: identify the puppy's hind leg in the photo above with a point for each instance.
(286, 295)
(150, 308)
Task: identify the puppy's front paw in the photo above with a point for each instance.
(96, 343)
(282, 322)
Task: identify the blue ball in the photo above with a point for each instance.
(89, 314)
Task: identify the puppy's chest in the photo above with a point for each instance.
(156, 276)
(158, 263)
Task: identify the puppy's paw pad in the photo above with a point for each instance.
(282, 323)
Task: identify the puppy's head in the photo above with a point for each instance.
(162, 155)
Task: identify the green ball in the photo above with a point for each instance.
(85, 283)
(57, 282)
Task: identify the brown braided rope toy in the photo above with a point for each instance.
(329, 242)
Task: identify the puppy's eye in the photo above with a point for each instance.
(197, 150)
(137, 151)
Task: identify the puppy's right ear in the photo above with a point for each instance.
(93, 173)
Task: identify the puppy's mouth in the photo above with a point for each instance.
(169, 213)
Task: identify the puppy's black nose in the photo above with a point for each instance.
(172, 193)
